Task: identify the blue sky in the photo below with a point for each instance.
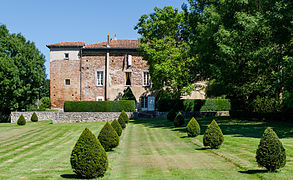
(51, 21)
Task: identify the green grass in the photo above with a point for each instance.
(149, 149)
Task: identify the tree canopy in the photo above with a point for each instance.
(22, 71)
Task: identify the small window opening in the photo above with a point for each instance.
(144, 102)
(67, 81)
(66, 55)
(128, 78)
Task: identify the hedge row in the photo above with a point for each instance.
(261, 116)
(194, 105)
(99, 106)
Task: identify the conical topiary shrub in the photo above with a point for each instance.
(115, 124)
(179, 120)
(121, 121)
(34, 117)
(171, 115)
(21, 120)
(88, 158)
(213, 136)
(193, 128)
(270, 153)
(108, 137)
(124, 116)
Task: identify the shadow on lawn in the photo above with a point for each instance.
(239, 128)
(254, 171)
(69, 176)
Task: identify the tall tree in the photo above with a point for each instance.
(22, 71)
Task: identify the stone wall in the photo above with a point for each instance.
(27, 115)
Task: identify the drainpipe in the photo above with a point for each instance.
(107, 69)
(80, 75)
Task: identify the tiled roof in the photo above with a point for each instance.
(67, 44)
(115, 44)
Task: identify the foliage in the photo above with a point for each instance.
(128, 95)
(193, 128)
(99, 106)
(34, 117)
(213, 136)
(116, 125)
(166, 51)
(179, 120)
(121, 121)
(108, 137)
(124, 116)
(171, 115)
(45, 89)
(270, 153)
(22, 71)
(21, 120)
(193, 105)
(88, 158)
(45, 103)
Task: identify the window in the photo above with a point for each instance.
(128, 60)
(66, 55)
(144, 102)
(128, 78)
(146, 79)
(67, 82)
(100, 98)
(100, 78)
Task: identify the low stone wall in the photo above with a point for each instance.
(70, 117)
(27, 115)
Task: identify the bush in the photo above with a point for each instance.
(45, 103)
(128, 95)
(34, 117)
(171, 115)
(121, 121)
(99, 106)
(124, 116)
(21, 120)
(270, 153)
(213, 136)
(108, 137)
(193, 128)
(88, 158)
(179, 120)
(115, 124)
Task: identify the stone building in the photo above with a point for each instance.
(98, 72)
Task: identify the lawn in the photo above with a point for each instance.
(149, 149)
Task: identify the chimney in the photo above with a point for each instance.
(108, 40)
(114, 36)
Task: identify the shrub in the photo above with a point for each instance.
(88, 158)
(179, 120)
(193, 128)
(171, 115)
(99, 106)
(124, 116)
(34, 117)
(121, 121)
(128, 95)
(21, 120)
(270, 153)
(115, 124)
(213, 136)
(108, 137)
(45, 103)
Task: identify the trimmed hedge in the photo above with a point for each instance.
(193, 105)
(171, 115)
(124, 116)
(99, 106)
(21, 120)
(108, 137)
(34, 117)
(88, 158)
(193, 128)
(179, 120)
(213, 136)
(116, 125)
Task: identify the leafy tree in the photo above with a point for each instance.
(164, 46)
(179, 120)
(45, 103)
(213, 136)
(88, 158)
(193, 128)
(108, 137)
(34, 117)
(128, 95)
(115, 124)
(21, 121)
(270, 153)
(22, 71)
(45, 89)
